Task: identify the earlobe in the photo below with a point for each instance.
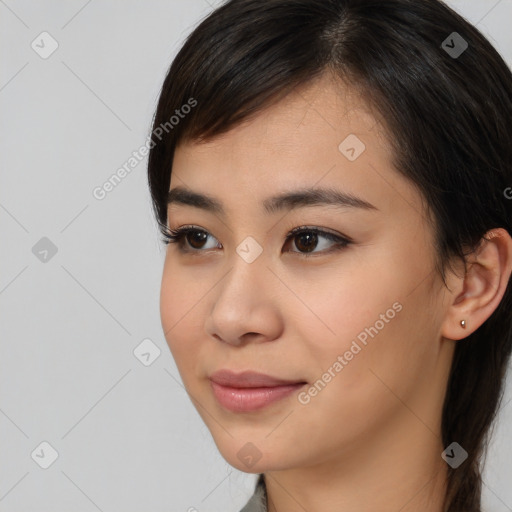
(483, 286)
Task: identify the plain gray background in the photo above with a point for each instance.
(128, 438)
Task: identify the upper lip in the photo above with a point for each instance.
(249, 379)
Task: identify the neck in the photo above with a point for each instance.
(401, 471)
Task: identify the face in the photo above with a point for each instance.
(345, 313)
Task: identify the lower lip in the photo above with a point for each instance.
(251, 399)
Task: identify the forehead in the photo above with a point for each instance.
(300, 140)
(325, 104)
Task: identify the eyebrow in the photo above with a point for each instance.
(285, 201)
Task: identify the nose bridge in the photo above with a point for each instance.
(248, 270)
(241, 304)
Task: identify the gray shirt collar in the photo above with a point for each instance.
(258, 501)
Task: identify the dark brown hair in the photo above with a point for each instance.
(449, 117)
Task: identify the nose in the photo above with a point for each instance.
(245, 305)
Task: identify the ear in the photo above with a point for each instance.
(479, 292)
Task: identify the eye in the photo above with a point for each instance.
(306, 239)
(195, 238)
(190, 239)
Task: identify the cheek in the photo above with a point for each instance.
(367, 320)
(355, 384)
(345, 302)
(178, 303)
(169, 307)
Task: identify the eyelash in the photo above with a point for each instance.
(177, 236)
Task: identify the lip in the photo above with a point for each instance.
(250, 391)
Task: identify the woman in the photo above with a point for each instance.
(333, 179)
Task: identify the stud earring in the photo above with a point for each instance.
(463, 323)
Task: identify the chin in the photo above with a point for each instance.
(251, 457)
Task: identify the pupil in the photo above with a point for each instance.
(199, 236)
(311, 242)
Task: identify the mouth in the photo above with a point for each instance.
(250, 391)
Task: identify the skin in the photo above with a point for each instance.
(370, 439)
